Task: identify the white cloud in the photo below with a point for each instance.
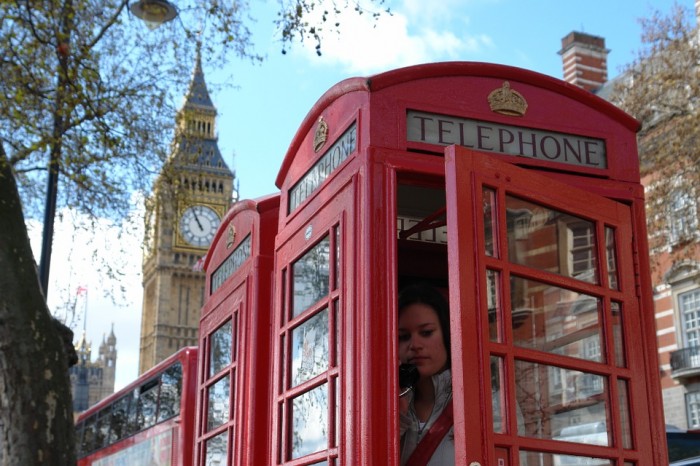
(416, 32)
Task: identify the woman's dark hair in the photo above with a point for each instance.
(424, 293)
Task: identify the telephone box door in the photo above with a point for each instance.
(548, 353)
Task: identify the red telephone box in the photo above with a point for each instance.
(234, 337)
(514, 192)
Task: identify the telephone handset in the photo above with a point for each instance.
(408, 376)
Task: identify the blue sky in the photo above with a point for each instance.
(261, 106)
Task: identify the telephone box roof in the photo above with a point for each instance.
(382, 81)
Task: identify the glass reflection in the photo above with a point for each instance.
(170, 390)
(489, 196)
(120, 412)
(618, 334)
(310, 348)
(561, 404)
(311, 277)
(556, 320)
(310, 422)
(336, 272)
(218, 403)
(546, 239)
(221, 342)
(216, 450)
(493, 304)
(148, 403)
(497, 395)
(625, 421)
(611, 254)
(536, 458)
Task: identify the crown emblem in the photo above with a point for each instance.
(230, 237)
(506, 101)
(321, 134)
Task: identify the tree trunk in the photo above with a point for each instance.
(36, 415)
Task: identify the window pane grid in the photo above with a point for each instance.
(309, 338)
(689, 304)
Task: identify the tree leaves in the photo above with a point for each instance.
(661, 88)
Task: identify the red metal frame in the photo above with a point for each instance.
(239, 290)
(181, 426)
(351, 174)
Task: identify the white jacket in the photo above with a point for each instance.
(412, 433)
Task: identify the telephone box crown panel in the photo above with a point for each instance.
(525, 117)
(247, 231)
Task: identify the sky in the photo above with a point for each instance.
(261, 106)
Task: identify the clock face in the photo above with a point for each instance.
(198, 225)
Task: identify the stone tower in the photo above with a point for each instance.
(92, 381)
(193, 192)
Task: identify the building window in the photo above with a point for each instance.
(689, 305)
(692, 402)
(582, 248)
(683, 217)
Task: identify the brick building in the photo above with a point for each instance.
(676, 278)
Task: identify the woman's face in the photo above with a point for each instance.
(420, 339)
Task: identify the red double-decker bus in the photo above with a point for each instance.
(149, 422)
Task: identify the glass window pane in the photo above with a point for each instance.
(500, 419)
(618, 334)
(561, 404)
(493, 304)
(489, 221)
(536, 458)
(170, 390)
(546, 239)
(311, 277)
(336, 272)
(309, 422)
(88, 435)
(310, 348)
(102, 428)
(556, 320)
(689, 304)
(120, 410)
(216, 448)
(625, 421)
(221, 342)
(219, 399)
(692, 400)
(132, 423)
(148, 404)
(611, 255)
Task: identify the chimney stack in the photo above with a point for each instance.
(584, 58)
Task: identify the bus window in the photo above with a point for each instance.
(148, 404)
(120, 411)
(170, 390)
(87, 445)
(132, 425)
(102, 428)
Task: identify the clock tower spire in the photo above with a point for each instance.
(191, 195)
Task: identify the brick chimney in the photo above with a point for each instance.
(584, 58)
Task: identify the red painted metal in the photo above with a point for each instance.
(348, 185)
(239, 291)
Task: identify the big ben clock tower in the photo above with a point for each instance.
(191, 195)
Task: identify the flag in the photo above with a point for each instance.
(199, 265)
(82, 290)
